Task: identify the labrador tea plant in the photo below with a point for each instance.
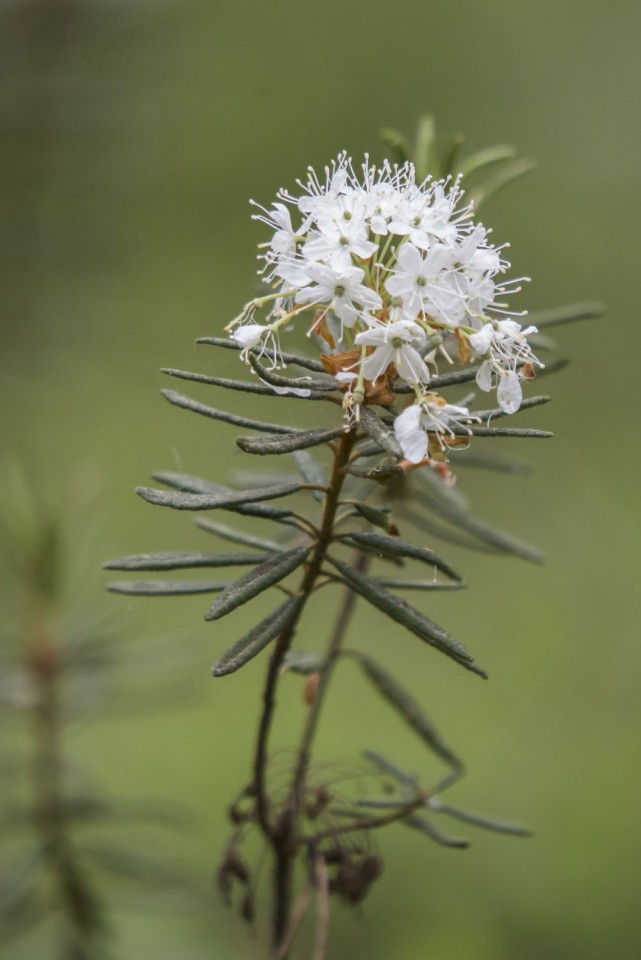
(401, 297)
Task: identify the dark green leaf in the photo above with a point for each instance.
(483, 159)
(398, 145)
(186, 403)
(570, 314)
(395, 584)
(480, 820)
(465, 375)
(419, 823)
(303, 662)
(165, 588)
(301, 440)
(425, 159)
(503, 432)
(311, 471)
(377, 431)
(375, 515)
(314, 389)
(257, 639)
(405, 704)
(218, 501)
(183, 561)
(245, 386)
(490, 461)
(495, 412)
(294, 358)
(391, 547)
(391, 769)
(271, 571)
(451, 163)
(384, 473)
(436, 496)
(238, 536)
(507, 174)
(182, 481)
(412, 619)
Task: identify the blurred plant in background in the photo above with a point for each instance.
(394, 275)
(60, 831)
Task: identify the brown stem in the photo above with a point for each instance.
(368, 823)
(313, 717)
(282, 833)
(43, 661)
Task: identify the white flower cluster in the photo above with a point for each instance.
(389, 270)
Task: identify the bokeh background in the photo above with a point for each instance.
(133, 135)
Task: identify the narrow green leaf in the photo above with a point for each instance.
(313, 388)
(394, 584)
(412, 619)
(257, 639)
(504, 432)
(490, 461)
(433, 494)
(480, 820)
(504, 176)
(255, 581)
(294, 358)
(405, 704)
(399, 548)
(220, 501)
(495, 412)
(303, 662)
(183, 561)
(378, 517)
(381, 434)
(311, 471)
(451, 164)
(245, 386)
(570, 314)
(238, 536)
(301, 440)
(398, 145)
(464, 375)
(186, 403)
(383, 473)
(384, 765)
(486, 158)
(420, 823)
(425, 159)
(189, 484)
(165, 588)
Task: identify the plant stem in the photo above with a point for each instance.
(44, 663)
(313, 717)
(282, 834)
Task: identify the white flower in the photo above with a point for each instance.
(432, 414)
(504, 342)
(342, 291)
(393, 344)
(423, 284)
(338, 240)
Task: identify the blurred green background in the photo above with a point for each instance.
(133, 135)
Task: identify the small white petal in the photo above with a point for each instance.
(509, 393)
(484, 376)
(410, 434)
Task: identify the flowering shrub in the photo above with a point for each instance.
(401, 293)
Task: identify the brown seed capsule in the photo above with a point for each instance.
(309, 690)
